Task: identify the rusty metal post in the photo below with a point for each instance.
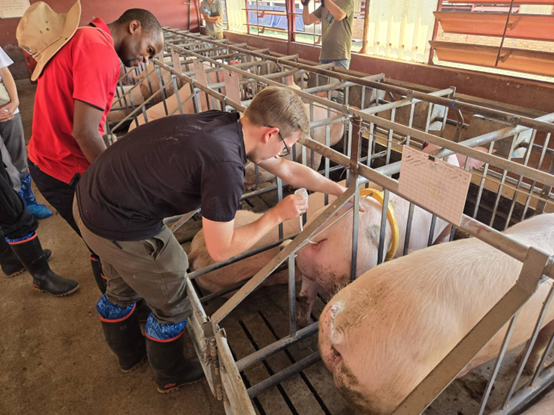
(363, 50)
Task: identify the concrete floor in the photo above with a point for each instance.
(53, 356)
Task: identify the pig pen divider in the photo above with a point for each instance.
(210, 341)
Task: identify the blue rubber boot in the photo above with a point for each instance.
(37, 210)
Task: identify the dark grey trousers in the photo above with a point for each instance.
(154, 269)
(14, 154)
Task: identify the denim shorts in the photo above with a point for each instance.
(341, 63)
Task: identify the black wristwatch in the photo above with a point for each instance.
(305, 3)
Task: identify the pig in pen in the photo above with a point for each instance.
(504, 193)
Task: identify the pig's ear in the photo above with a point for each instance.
(334, 335)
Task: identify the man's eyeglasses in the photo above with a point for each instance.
(286, 150)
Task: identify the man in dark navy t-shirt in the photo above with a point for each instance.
(172, 166)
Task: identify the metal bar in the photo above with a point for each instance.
(279, 198)
(527, 393)
(543, 360)
(501, 185)
(462, 148)
(383, 227)
(408, 229)
(498, 363)
(454, 147)
(365, 34)
(482, 183)
(405, 102)
(217, 294)
(262, 354)
(450, 103)
(545, 193)
(293, 246)
(492, 237)
(529, 346)
(431, 238)
(283, 375)
(292, 296)
(236, 258)
(184, 219)
(354, 161)
(504, 34)
(520, 181)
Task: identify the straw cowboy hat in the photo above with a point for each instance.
(42, 32)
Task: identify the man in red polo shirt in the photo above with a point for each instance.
(73, 97)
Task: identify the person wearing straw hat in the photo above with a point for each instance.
(77, 72)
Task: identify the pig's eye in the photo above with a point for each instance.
(335, 352)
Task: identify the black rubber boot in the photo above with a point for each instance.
(143, 311)
(11, 265)
(31, 255)
(126, 341)
(171, 367)
(97, 272)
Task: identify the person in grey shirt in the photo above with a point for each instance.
(336, 17)
(212, 12)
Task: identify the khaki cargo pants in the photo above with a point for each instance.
(154, 269)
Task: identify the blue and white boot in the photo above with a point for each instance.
(164, 344)
(37, 210)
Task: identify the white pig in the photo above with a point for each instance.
(544, 407)
(172, 103)
(239, 271)
(327, 261)
(382, 335)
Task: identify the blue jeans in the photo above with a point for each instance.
(341, 63)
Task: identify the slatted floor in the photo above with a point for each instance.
(263, 318)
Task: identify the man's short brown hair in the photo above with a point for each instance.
(279, 107)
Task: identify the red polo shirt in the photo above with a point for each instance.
(87, 69)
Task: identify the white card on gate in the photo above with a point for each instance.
(199, 72)
(232, 90)
(434, 184)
